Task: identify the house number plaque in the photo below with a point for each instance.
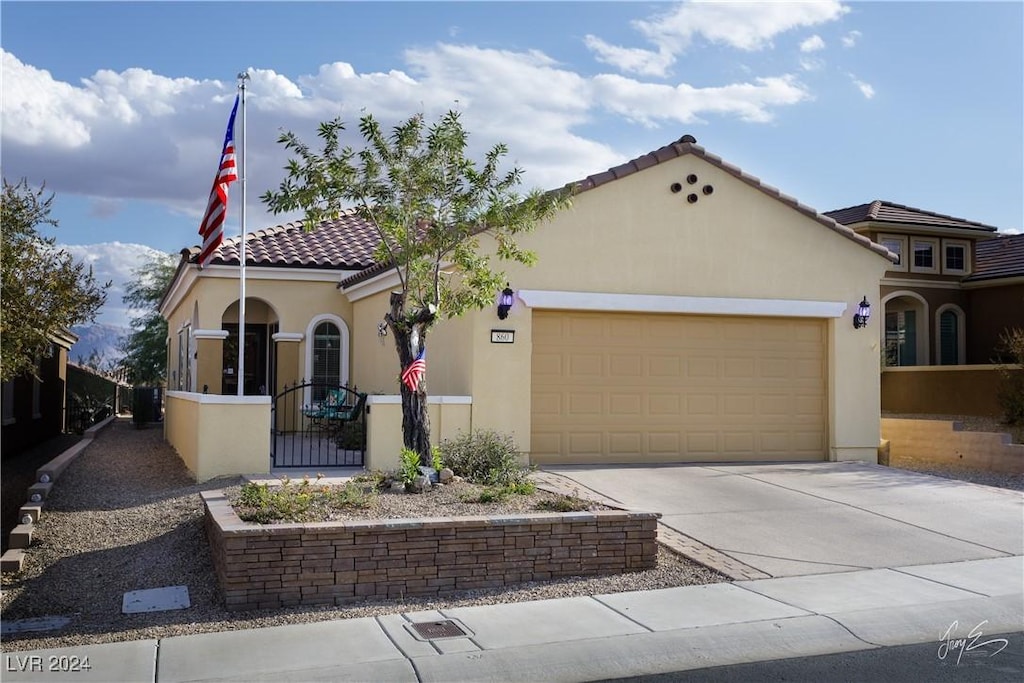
(503, 336)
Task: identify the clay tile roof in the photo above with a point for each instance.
(349, 242)
(880, 211)
(344, 243)
(998, 258)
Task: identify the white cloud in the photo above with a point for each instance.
(742, 25)
(812, 44)
(747, 26)
(630, 59)
(865, 88)
(812, 63)
(92, 138)
(113, 261)
(650, 103)
(851, 38)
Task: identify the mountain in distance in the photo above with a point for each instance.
(103, 338)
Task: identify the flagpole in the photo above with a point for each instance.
(242, 78)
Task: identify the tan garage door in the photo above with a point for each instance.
(617, 388)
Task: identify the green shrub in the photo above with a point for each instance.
(1011, 386)
(485, 457)
(436, 461)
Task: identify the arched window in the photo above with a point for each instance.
(326, 359)
(949, 337)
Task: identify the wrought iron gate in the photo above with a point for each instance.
(314, 424)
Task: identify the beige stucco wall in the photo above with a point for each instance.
(631, 236)
(944, 442)
(212, 299)
(449, 416)
(219, 435)
(634, 236)
(449, 347)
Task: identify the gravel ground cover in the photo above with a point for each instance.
(126, 516)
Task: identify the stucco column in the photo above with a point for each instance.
(286, 348)
(209, 360)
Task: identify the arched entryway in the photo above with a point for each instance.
(259, 374)
(905, 332)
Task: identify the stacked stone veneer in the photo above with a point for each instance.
(327, 563)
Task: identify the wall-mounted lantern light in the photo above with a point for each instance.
(860, 318)
(505, 302)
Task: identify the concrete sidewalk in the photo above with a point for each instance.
(585, 638)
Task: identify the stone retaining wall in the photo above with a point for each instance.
(329, 563)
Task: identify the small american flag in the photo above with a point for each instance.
(412, 375)
(212, 227)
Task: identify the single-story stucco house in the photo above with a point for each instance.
(681, 311)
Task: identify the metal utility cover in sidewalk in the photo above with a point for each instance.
(436, 630)
(155, 600)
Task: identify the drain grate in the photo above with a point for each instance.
(434, 630)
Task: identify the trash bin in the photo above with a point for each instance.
(147, 405)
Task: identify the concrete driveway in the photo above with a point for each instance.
(814, 518)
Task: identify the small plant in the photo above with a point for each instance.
(522, 488)
(565, 503)
(409, 467)
(374, 479)
(254, 495)
(435, 459)
(287, 502)
(351, 494)
(485, 457)
(296, 503)
(489, 494)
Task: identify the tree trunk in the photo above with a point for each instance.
(410, 339)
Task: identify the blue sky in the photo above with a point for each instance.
(120, 107)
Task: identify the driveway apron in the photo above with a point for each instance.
(813, 518)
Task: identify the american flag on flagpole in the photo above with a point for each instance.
(412, 375)
(212, 227)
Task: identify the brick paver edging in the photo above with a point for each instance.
(269, 566)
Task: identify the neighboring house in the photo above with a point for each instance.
(956, 286)
(33, 407)
(681, 310)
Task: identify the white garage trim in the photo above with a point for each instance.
(656, 303)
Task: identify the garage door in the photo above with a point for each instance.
(619, 388)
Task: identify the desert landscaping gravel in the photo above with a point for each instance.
(126, 516)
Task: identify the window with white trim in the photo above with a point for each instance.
(898, 246)
(326, 359)
(185, 358)
(924, 256)
(956, 257)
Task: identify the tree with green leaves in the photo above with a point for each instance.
(45, 291)
(145, 348)
(430, 205)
